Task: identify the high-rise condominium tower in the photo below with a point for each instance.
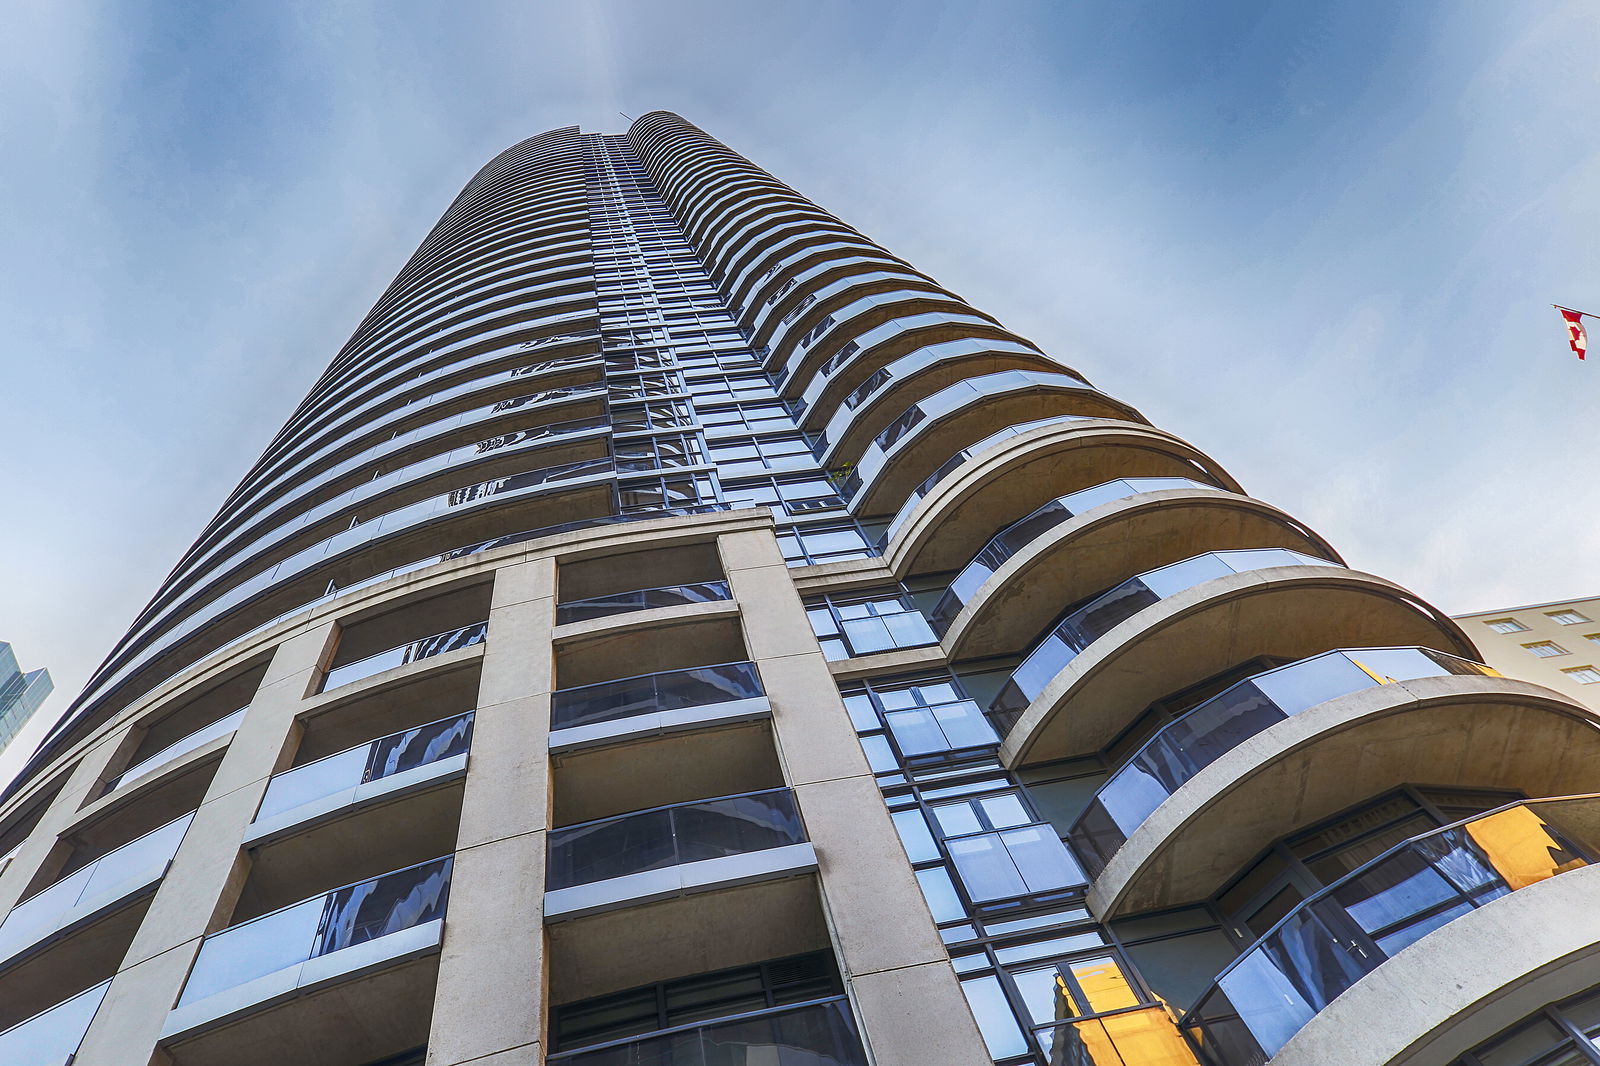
(676, 631)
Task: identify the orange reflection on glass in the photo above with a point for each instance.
(1520, 847)
(1145, 1037)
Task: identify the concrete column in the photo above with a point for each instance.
(82, 782)
(906, 996)
(208, 871)
(490, 1006)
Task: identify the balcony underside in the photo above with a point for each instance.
(957, 518)
(1108, 545)
(1467, 731)
(1291, 612)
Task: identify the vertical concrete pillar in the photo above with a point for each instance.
(208, 871)
(82, 781)
(906, 995)
(490, 1006)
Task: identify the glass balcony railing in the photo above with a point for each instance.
(668, 690)
(641, 600)
(1331, 940)
(1019, 534)
(112, 876)
(322, 925)
(671, 836)
(1108, 610)
(821, 1033)
(204, 615)
(199, 738)
(900, 433)
(51, 1037)
(1210, 730)
(956, 461)
(384, 757)
(425, 648)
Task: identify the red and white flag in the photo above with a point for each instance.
(1577, 336)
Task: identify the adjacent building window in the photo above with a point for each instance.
(1545, 649)
(1566, 617)
(1506, 625)
(1583, 675)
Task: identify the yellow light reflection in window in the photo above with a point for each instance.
(1105, 985)
(1520, 848)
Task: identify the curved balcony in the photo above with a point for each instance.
(663, 702)
(1338, 936)
(673, 851)
(926, 373)
(220, 538)
(796, 355)
(949, 518)
(902, 462)
(367, 773)
(51, 1037)
(758, 283)
(1452, 730)
(130, 669)
(329, 938)
(1088, 540)
(1189, 744)
(406, 458)
(585, 475)
(553, 446)
(844, 293)
(854, 367)
(766, 316)
(1163, 630)
(92, 890)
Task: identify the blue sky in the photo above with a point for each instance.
(1318, 241)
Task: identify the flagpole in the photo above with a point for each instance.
(1574, 310)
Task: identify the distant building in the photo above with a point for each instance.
(20, 694)
(1553, 644)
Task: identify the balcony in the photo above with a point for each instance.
(1089, 680)
(662, 702)
(673, 851)
(51, 1037)
(1203, 735)
(1026, 530)
(1110, 609)
(821, 1033)
(948, 519)
(906, 452)
(409, 759)
(416, 650)
(641, 600)
(94, 889)
(361, 928)
(1327, 943)
(179, 748)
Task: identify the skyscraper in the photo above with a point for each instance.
(21, 694)
(675, 630)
